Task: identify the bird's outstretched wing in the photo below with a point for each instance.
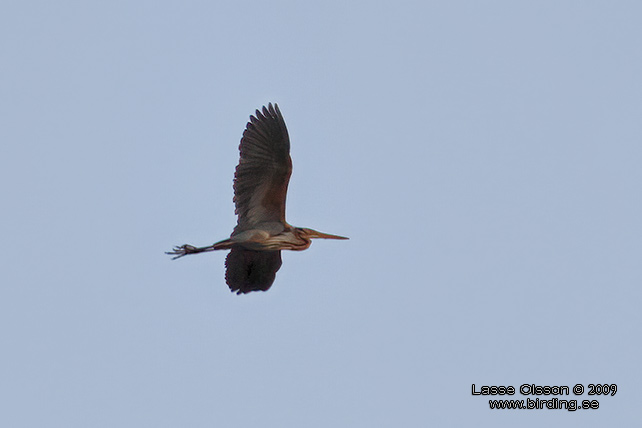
(249, 270)
(262, 175)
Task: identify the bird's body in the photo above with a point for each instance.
(260, 188)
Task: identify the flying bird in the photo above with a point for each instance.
(260, 186)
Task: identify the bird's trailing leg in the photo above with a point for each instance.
(186, 249)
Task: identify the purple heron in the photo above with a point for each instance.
(260, 187)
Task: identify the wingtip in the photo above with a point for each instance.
(269, 111)
(272, 110)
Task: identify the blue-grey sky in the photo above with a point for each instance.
(483, 157)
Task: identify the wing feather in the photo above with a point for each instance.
(249, 270)
(264, 169)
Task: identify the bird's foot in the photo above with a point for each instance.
(183, 250)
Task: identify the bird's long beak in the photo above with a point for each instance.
(322, 235)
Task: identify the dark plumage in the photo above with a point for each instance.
(251, 270)
(260, 189)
